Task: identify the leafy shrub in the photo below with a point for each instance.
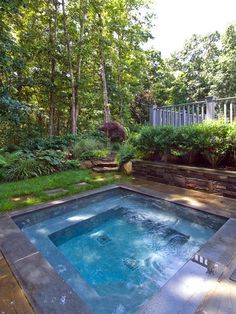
(165, 139)
(126, 153)
(116, 147)
(2, 161)
(155, 141)
(140, 106)
(1, 175)
(55, 159)
(88, 148)
(11, 148)
(56, 143)
(213, 141)
(232, 139)
(145, 142)
(114, 131)
(95, 134)
(11, 158)
(72, 164)
(26, 164)
(25, 169)
(186, 143)
(133, 137)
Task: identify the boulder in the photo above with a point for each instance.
(86, 164)
(127, 168)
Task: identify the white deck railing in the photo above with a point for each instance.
(196, 112)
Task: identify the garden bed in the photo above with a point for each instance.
(220, 182)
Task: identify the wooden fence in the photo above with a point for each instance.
(196, 112)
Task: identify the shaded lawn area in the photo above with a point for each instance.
(30, 192)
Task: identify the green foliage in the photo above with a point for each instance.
(88, 148)
(165, 139)
(140, 106)
(11, 148)
(12, 110)
(51, 158)
(72, 164)
(2, 161)
(42, 156)
(232, 134)
(213, 140)
(225, 78)
(155, 141)
(95, 134)
(145, 142)
(35, 66)
(35, 89)
(186, 143)
(126, 153)
(26, 164)
(232, 140)
(24, 169)
(196, 64)
(14, 157)
(115, 147)
(56, 143)
(205, 66)
(133, 136)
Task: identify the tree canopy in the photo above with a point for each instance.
(70, 65)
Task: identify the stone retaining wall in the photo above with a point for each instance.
(214, 181)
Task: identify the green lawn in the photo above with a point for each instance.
(29, 192)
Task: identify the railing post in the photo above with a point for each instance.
(210, 107)
(152, 115)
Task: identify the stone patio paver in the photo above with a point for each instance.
(55, 191)
(79, 185)
(222, 299)
(211, 203)
(101, 179)
(12, 298)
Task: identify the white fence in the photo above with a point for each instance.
(196, 112)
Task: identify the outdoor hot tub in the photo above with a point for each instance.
(115, 249)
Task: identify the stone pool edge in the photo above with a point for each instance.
(48, 293)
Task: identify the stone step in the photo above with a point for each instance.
(230, 194)
(106, 159)
(100, 163)
(105, 169)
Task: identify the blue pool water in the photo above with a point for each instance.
(117, 248)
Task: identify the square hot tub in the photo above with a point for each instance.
(118, 248)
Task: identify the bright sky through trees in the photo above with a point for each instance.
(177, 20)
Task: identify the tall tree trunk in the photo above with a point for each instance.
(106, 107)
(120, 78)
(58, 121)
(52, 96)
(67, 41)
(83, 18)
